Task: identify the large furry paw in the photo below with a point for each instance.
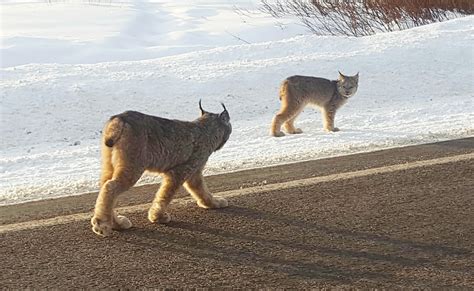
(277, 134)
(155, 216)
(220, 202)
(121, 222)
(295, 131)
(334, 129)
(100, 227)
(217, 202)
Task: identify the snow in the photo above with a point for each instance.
(67, 67)
(79, 33)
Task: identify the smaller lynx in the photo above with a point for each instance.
(298, 91)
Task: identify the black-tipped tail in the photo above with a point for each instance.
(113, 131)
(109, 142)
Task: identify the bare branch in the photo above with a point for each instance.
(366, 17)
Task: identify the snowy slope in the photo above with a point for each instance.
(415, 86)
(92, 31)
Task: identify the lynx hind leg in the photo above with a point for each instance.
(290, 109)
(157, 212)
(107, 170)
(285, 117)
(277, 121)
(282, 115)
(196, 186)
(289, 125)
(105, 219)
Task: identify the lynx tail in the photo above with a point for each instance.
(113, 130)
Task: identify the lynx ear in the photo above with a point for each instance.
(224, 115)
(341, 76)
(200, 107)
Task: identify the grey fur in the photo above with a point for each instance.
(297, 92)
(134, 142)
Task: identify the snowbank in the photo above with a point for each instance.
(415, 86)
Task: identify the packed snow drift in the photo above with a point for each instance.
(66, 68)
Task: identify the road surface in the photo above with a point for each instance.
(396, 218)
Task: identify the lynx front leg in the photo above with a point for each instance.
(157, 212)
(328, 119)
(198, 189)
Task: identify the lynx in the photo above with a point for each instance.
(298, 91)
(133, 142)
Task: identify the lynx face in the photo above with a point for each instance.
(347, 85)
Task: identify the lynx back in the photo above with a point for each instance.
(134, 142)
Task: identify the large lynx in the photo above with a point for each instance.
(134, 142)
(298, 91)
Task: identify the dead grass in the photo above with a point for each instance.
(366, 17)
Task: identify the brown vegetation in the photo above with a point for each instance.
(366, 17)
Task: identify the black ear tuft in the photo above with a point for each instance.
(224, 115)
(341, 75)
(200, 107)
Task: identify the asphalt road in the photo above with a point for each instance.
(389, 219)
